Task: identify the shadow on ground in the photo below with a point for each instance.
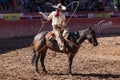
(98, 75)
(102, 76)
(107, 34)
(9, 44)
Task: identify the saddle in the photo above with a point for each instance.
(50, 36)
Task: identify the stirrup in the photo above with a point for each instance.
(61, 47)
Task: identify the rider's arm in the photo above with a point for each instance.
(46, 17)
(63, 20)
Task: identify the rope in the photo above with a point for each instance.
(73, 11)
(69, 41)
(43, 24)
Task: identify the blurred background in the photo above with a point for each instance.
(45, 5)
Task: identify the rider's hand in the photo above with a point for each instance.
(40, 13)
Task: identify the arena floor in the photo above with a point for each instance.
(90, 63)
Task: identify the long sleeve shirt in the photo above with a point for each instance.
(56, 20)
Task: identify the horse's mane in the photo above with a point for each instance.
(84, 30)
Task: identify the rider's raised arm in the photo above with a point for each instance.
(46, 17)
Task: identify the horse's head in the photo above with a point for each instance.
(80, 36)
(91, 36)
(88, 34)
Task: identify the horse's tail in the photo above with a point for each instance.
(38, 40)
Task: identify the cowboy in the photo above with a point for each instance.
(58, 23)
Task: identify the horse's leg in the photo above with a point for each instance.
(33, 57)
(70, 58)
(36, 62)
(42, 61)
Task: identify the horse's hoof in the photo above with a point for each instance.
(37, 71)
(44, 72)
(70, 74)
(32, 64)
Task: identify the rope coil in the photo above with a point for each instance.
(73, 11)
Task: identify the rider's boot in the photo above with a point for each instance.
(61, 46)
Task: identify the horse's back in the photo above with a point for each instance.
(39, 40)
(40, 35)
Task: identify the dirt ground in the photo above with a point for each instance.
(90, 63)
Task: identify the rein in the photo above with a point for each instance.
(73, 11)
(43, 24)
(69, 41)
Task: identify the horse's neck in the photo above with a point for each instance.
(81, 38)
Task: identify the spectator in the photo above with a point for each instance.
(38, 8)
(90, 5)
(113, 7)
(97, 5)
(93, 5)
(108, 3)
(117, 3)
(48, 6)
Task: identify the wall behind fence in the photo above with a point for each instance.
(30, 27)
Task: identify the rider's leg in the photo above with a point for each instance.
(58, 37)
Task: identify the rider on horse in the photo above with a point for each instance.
(58, 23)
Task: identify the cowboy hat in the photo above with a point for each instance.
(59, 6)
